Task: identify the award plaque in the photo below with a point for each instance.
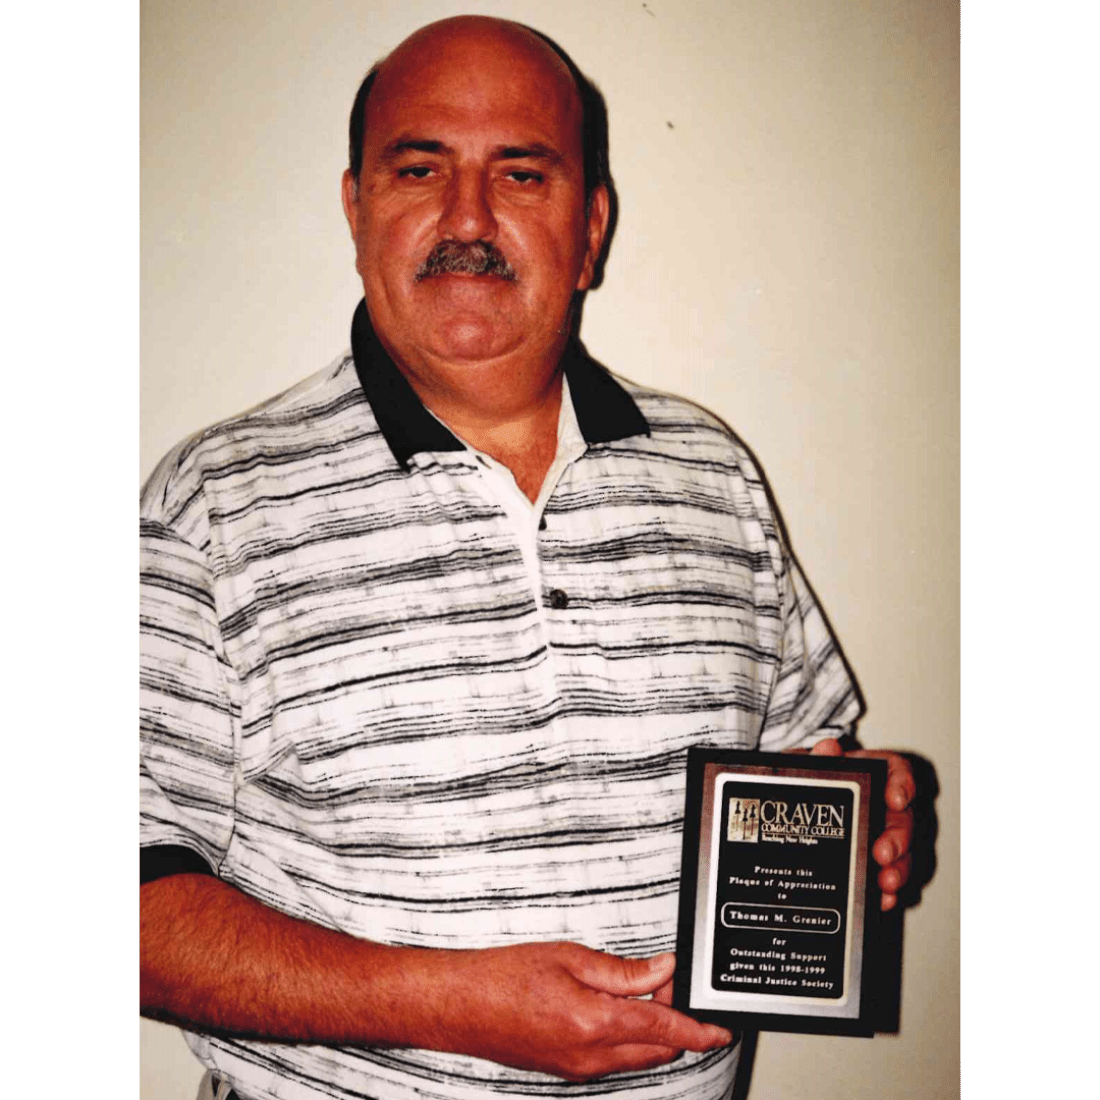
(779, 897)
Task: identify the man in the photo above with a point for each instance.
(427, 638)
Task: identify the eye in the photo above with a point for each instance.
(522, 175)
(416, 171)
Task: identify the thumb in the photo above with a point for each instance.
(625, 977)
(829, 747)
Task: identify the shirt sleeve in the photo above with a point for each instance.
(814, 695)
(187, 701)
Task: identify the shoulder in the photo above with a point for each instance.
(681, 428)
(693, 462)
(278, 433)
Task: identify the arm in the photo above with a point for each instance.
(214, 958)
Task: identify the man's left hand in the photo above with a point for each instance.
(892, 849)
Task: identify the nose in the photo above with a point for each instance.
(467, 214)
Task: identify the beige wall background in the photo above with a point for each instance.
(787, 255)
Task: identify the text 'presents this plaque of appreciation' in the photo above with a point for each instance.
(779, 896)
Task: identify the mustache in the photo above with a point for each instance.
(458, 258)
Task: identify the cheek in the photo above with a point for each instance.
(397, 241)
(544, 242)
(563, 255)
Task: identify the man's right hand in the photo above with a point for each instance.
(215, 959)
(573, 1012)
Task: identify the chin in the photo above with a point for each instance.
(472, 339)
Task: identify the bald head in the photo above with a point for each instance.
(484, 40)
(476, 40)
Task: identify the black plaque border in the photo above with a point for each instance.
(778, 764)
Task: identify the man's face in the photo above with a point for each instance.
(473, 136)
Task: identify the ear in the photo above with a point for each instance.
(349, 194)
(596, 230)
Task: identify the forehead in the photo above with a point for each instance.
(507, 82)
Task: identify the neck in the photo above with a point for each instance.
(523, 438)
(506, 410)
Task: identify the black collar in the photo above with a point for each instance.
(605, 411)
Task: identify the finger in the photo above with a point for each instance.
(896, 838)
(621, 976)
(638, 1056)
(651, 1023)
(891, 879)
(663, 996)
(901, 786)
(621, 1058)
(829, 747)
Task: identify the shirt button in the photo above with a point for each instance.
(558, 599)
(542, 523)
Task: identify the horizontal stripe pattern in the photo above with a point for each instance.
(358, 708)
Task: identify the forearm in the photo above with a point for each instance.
(216, 959)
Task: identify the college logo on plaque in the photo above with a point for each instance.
(744, 820)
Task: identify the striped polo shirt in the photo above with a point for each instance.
(375, 697)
